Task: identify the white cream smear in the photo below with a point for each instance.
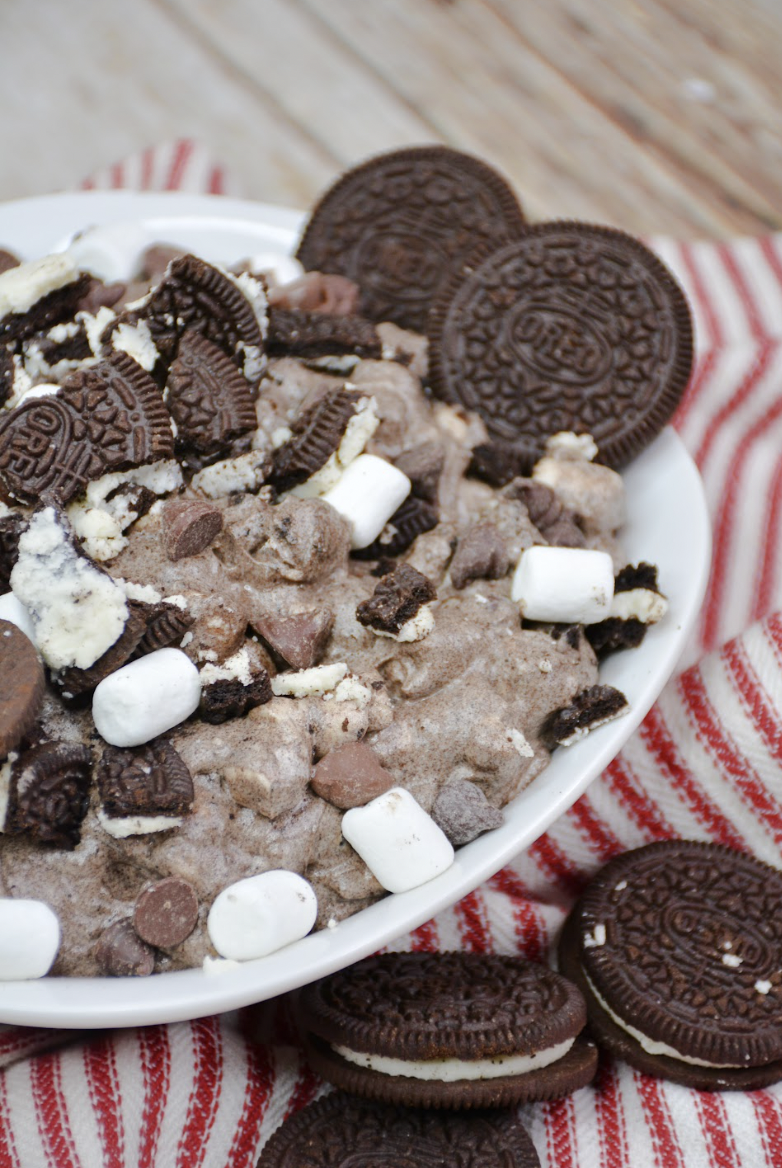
(450, 1070)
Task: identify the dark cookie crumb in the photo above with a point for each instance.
(589, 709)
(396, 599)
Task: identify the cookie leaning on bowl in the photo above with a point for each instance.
(448, 1030)
(677, 948)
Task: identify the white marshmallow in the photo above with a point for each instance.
(109, 251)
(279, 269)
(29, 939)
(146, 697)
(560, 584)
(12, 609)
(367, 495)
(260, 914)
(400, 844)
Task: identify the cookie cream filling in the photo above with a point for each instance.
(451, 1070)
(122, 826)
(651, 1045)
(24, 286)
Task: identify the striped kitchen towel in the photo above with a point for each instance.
(705, 764)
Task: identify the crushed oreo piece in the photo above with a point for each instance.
(640, 575)
(613, 634)
(191, 525)
(137, 498)
(74, 685)
(497, 463)
(146, 780)
(482, 554)
(555, 523)
(295, 333)
(423, 465)
(7, 373)
(229, 698)
(462, 812)
(396, 599)
(411, 519)
(50, 793)
(317, 292)
(588, 710)
(300, 640)
(54, 308)
(627, 631)
(120, 952)
(209, 399)
(316, 435)
(167, 624)
(11, 527)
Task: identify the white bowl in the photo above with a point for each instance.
(667, 525)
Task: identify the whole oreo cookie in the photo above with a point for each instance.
(571, 327)
(677, 948)
(402, 223)
(448, 1030)
(343, 1132)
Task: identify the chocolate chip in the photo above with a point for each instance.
(317, 292)
(555, 523)
(396, 599)
(482, 554)
(11, 527)
(22, 685)
(497, 464)
(48, 350)
(155, 260)
(350, 776)
(120, 952)
(167, 624)
(210, 400)
(423, 465)
(228, 697)
(462, 812)
(190, 525)
(588, 710)
(100, 295)
(316, 434)
(50, 793)
(8, 260)
(299, 639)
(146, 780)
(166, 913)
(77, 683)
(294, 333)
(411, 519)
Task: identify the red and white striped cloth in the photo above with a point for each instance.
(705, 764)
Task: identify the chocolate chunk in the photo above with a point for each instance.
(209, 399)
(396, 599)
(294, 333)
(228, 697)
(74, 684)
(402, 223)
(146, 780)
(555, 523)
(154, 261)
(317, 433)
(100, 295)
(54, 308)
(423, 465)
(350, 776)
(190, 525)
(196, 297)
(482, 554)
(50, 793)
(497, 463)
(317, 292)
(588, 710)
(11, 527)
(166, 625)
(411, 519)
(166, 913)
(120, 952)
(569, 327)
(8, 260)
(22, 685)
(462, 812)
(299, 639)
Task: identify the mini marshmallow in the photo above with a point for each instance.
(29, 939)
(278, 269)
(260, 914)
(367, 495)
(12, 609)
(146, 697)
(564, 585)
(400, 844)
(109, 251)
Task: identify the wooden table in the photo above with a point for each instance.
(659, 116)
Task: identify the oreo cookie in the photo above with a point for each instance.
(570, 327)
(448, 1030)
(342, 1132)
(403, 222)
(22, 686)
(677, 948)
